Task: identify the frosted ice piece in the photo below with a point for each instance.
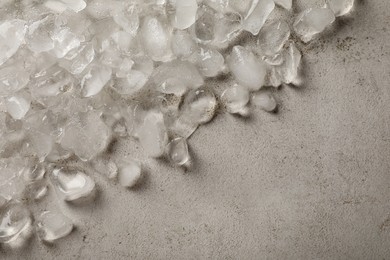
(12, 79)
(14, 219)
(340, 7)
(105, 166)
(286, 4)
(35, 190)
(129, 173)
(11, 38)
(17, 106)
(260, 10)
(132, 83)
(247, 70)
(273, 36)
(58, 153)
(35, 173)
(38, 36)
(199, 106)
(53, 225)
(204, 26)
(72, 184)
(182, 13)
(289, 70)
(153, 134)
(64, 41)
(94, 80)
(155, 38)
(236, 99)
(264, 100)
(61, 6)
(182, 44)
(209, 62)
(173, 86)
(78, 59)
(127, 18)
(86, 135)
(312, 22)
(177, 151)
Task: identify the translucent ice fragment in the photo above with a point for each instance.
(236, 99)
(340, 7)
(62, 5)
(257, 15)
(133, 82)
(14, 219)
(12, 79)
(78, 59)
(89, 128)
(35, 190)
(273, 36)
(127, 17)
(34, 173)
(155, 38)
(210, 62)
(177, 151)
(264, 100)
(129, 173)
(64, 41)
(183, 13)
(105, 166)
(289, 70)
(72, 184)
(246, 68)
(11, 37)
(312, 22)
(153, 134)
(38, 36)
(17, 106)
(286, 4)
(94, 80)
(173, 86)
(182, 44)
(53, 225)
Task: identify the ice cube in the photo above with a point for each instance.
(289, 70)
(273, 36)
(236, 99)
(17, 106)
(39, 32)
(209, 62)
(78, 59)
(182, 44)
(182, 12)
(177, 151)
(257, 15)
(264, 100)
(60, 6)
(94, 80)
(340, 7)
(286, 4)
(53, 225)
(11, 38)
(14, 219)
(129, 173)
(64, 41)
(13, 78)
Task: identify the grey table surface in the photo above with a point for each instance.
(310, 182)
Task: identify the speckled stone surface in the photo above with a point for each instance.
(311, 182)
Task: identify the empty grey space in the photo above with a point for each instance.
(310, 182)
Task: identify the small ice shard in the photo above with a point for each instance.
(127, 18)
(86, 135)
(105, 166)
(38, 36)
(289, 70)
(199, 106)
(247, 70)
(264, 100)
(17, 106)
(64, 41)
(340, 7)
(155, 38)
(286, 4)
(14, 219)
(182, 12)
(72, 184)
(312, 22)
(273, 36)
(13, 78)
(182, 44)
(209, 62)
(78, 59)
(133, 82)
(11, 38)
(177, 151)
(35, 173)
(173, 86)
(94, 80)
(61, 6)
(129, 173)
(236, 99)
(257, 15)
(35, 190)
(53, 225)
(153, 134)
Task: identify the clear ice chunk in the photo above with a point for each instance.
(61, 6)
(182, 44)
(257, 15)
(177, 151)
(127, 17)
(13, 78)
(199, 105)
(72, 184)
(94, 80)
(11, 38)
(209, 62)
(289, 70)
(312, 22)
(340, 7)
(53, 225)
(286, 4)
(17, 106)
(64, 41)
(14, 219)
(38, 36)
(78, 59)
(264, 100)
(273, 36)
(236, 99)
(129, 173)
(246, 68)
(152, 134)
(182, 13)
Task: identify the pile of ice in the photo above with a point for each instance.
(75, 74)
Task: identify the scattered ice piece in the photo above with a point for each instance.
(35, 190)
(257, 15)
(11, 37)
(53, 225)
(289, 70)
(86, 135)
(34, 173)
(17, 106)
(286, 4)
(62, 5)
(13, 78)
(64, 41)
(94, 80)
(236, 99)
(312, 22)
(199, 106)
(127, 18)
(177, 151)
(78, 59)
(340, 7)
(264, 100)
(152, 134)
(246, 68)
(182, 44)
(182, 12)
(173, 86)
(14, 219)
(72, 184)
(210, 62)
(105, 166)
(129, 173)
(273, 36)
(38, 36)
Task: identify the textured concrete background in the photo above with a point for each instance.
(311, 182)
